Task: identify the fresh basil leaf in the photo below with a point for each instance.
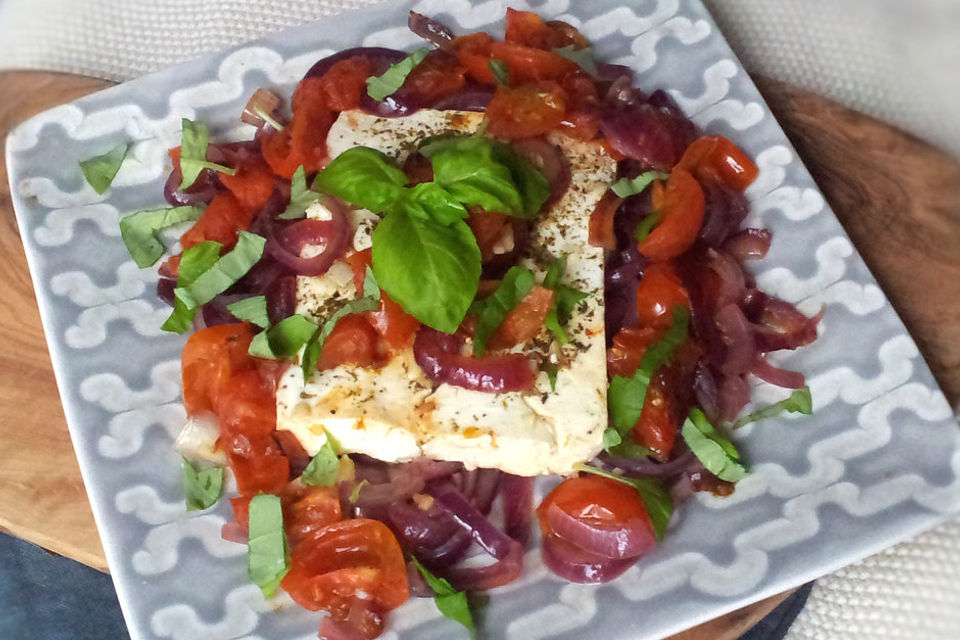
(800, 401)
(194, 262)
(253, 310)
(139, 231)
(387, 83)
(647, 225)
(284, 338)
(268, 556)
(430, 201)
(324, 468)
(583, 57)
(452, 604)
(500, 71)
(430, 270)
(714, 451)
(655, 496)
(552, 372)
(101, 170)
(193, 153)
(533, 185)
(625, 187)
(492, 311)
(626, 395)
(227, 270)
(301, 196)
(364, 177)
(369, 302)
(565, 300)
(355, 494)
(203, 486)
(466, 168)
(611, 438)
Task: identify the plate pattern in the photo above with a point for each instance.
(878, 461)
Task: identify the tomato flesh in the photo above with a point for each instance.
(219, 222)
(390, 321)
(716, 159)
(659, 292)
(209, 360)
(524, 322)
(527, 111)
(681, 205)
(353, 341)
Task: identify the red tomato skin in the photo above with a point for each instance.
(209, 359)
(527, 111)
(257, 463)
(527, 28)
(629, 345)
(252, 186)
(717, 159)
(524, 322)
(473, 52)
(245, 406)
(219, 222)
(437, 77)
(528, 64)
(681, 205)
(390, 321)
(659, 292)
(344, 83)
(353, 341)
(601, 222)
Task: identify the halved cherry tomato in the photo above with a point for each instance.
(656, 429)
(601, 222)
(527, 63)
(394, 325)
(527, 111)
(257, 462)
(344, 83)
(582, 125)
(628, 348)
(599, 515)
(473, 52)
(527, 28)
(345, 562)
(306, 510)
(716, 159)
(220, 221)
(353, 341)
(252, 186)
(210, 358)
(278, 151)
(681, 205)
(659, 291)
(524, 322)
(303, 142)
(488, 227)
(438, 76)
(246, 406)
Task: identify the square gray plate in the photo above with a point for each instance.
(877, 462)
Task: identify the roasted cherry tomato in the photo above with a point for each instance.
(437, 77)
(681, 207)
(629, 345)
(527, 111)
(278, 151)
(527, 28)
(489, 228)
(390, 321)
(353, 341)
(245, 405)
(252, 186)
(601, 222)
(659, 291)
(524, 322)
(473, 52)
(344, 83)
(599, 515)
(220, 221)
(656, 429)
(526, 63)
(257, 462)
(210, 358)
(346, 563)
(716, 159)
(307, 510)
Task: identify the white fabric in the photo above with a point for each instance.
(893, 59)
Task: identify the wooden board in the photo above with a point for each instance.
(899, 199)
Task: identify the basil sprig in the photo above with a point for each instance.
(625, 187)
(714, 451)
(565, 300)
(139, 231)
(452, 604)
(387, 83)
(203, 486)
(193, 153)
(268, 556)
(492, 310)
(800, 401)
(101, 170)
(654, 495)
(626, 395)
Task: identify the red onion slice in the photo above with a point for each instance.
(436, 33)
(737, 335)
(516, 498)
(648, 467)
(749, 244)
(776, 376)
(438, 354)
(334, 234)
(626, 540)
(576, 565)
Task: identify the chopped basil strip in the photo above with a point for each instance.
(387, 83)
(626, 395)
(500, 71)
(101, 170)
(268, 557)
(194, 262)
(800, 401)
(654, 495)
(284, 338)
(369, 302)
(583, 57)
(203, 486)
(227, 270)
(552, 371)
(355, 494)
(301, 196)
(452, 604)
(193, 153)
(643, 229)
(625, 187)
(714, 451)
(611, 438)
(565, 300)
(324, 468)
(364, 177)
(492, 310)
(253, 310)
(139, 231)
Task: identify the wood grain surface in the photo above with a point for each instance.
(898, 198)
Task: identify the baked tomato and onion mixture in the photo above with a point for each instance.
(434, 276)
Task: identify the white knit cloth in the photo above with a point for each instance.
(893, 59)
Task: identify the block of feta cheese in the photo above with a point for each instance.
(395, 413)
